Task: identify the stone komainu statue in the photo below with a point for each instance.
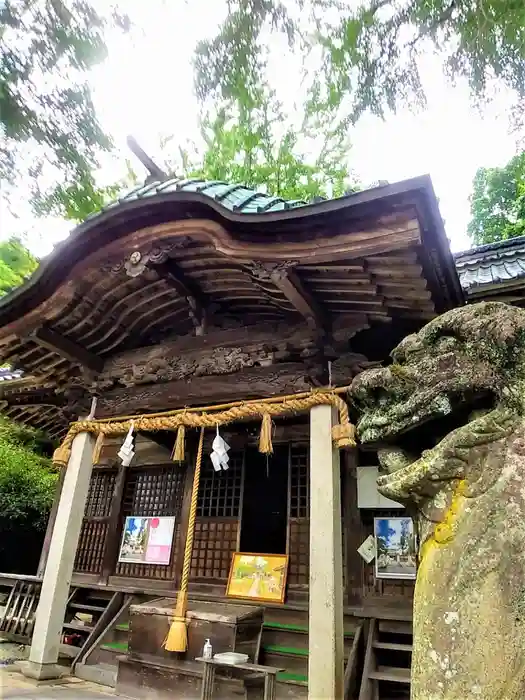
(448, 418)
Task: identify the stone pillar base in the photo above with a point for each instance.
(41, 672)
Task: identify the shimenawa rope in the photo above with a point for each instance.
(343, 434)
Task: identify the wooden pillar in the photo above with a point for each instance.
(111, 547)
(51, 609)
(325, 661)
(50, 525)
(354, 533)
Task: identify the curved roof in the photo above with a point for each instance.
(245, 213)
(238, 198)
(150, 266)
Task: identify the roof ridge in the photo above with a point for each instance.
(515, 242)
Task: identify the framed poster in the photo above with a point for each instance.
(258, 577)
(396, 554)
(147, 540)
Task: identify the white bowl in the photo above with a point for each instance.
(231, 657)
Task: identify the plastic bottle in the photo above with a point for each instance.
(207, 652)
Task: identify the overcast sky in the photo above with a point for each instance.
(145, 88)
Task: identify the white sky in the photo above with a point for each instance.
(145, 88)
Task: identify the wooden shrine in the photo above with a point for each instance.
(187, 294)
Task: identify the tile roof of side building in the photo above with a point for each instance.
(492, 264)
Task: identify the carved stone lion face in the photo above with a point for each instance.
(469, 358)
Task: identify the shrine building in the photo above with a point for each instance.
(186, 299)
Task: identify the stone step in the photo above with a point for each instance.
(103, 674)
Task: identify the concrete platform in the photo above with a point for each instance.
(14, 686)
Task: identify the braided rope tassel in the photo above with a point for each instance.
(177, 637)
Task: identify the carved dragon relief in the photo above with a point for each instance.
(448, 420)
(221, 352)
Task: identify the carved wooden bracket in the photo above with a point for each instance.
(173, 275)
(158, 259)
(282, 275)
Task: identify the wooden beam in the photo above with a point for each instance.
(294, 290)
(288, 282)
(171, 273)
(257, 382)
(164, 438)
(48, 338)
(34, 397)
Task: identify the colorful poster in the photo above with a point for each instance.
(258, 576)
(147, 540)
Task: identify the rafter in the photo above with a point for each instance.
(48, 338)
(37, 396)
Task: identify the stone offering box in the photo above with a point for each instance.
(229, 627)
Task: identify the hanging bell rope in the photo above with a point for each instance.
(177, 637)
(343, 434)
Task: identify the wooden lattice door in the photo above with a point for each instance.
(95, 526)
(217, 524)
(153, 491)
(299, 515)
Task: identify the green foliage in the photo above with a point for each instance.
(255, 146)
(365, 56)
(27, 480)
(16, 264)
(230, 66)
(76, 200)
(46, 111)
(254, 151)
(498, 202)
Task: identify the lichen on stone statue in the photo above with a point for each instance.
(448, 420)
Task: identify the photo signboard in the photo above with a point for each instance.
(147, 540)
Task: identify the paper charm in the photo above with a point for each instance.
(368, 549)
(219, 455)
(127, 451)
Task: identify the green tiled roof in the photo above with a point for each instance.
(237, 198)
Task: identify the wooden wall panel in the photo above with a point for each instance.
(218, 513)
(90, 550)
(299, 516)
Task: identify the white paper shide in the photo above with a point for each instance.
(219, 456)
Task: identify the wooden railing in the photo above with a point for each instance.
(18, 614)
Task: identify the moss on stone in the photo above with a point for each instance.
(469, 611)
